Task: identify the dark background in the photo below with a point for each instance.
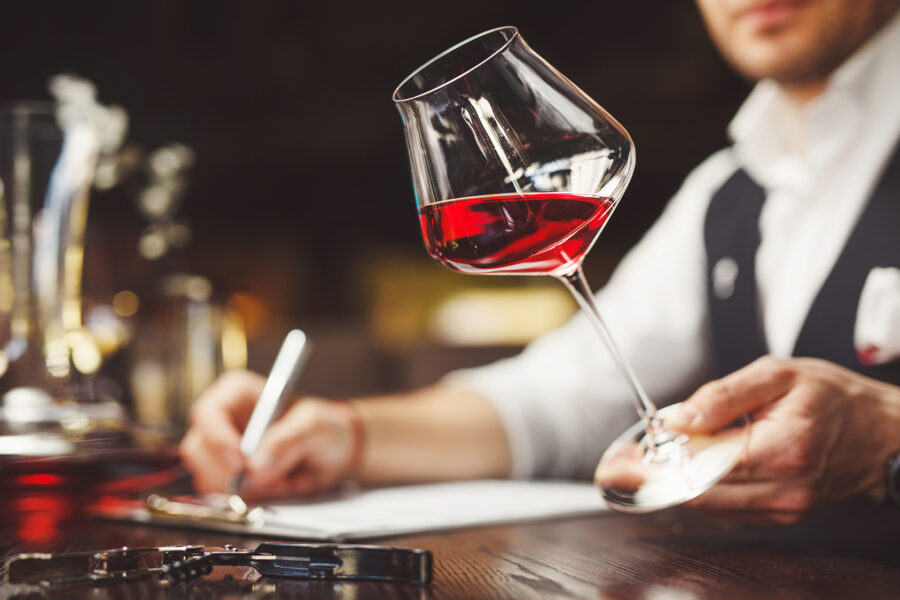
(301, 170)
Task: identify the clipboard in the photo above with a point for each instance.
(355, 515)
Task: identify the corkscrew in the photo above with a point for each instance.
(170, 565)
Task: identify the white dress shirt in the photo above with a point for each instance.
(563, 401)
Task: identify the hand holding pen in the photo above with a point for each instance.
(312, 446)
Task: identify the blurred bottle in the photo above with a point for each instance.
(188, 342)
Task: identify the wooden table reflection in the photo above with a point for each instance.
(850, 552)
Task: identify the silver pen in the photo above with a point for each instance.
(289, 363)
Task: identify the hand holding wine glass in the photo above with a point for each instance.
(517, 171)
(820, 434)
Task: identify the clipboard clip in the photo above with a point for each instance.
(221, 508)
(170, 565)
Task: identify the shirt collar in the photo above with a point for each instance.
(783, 146)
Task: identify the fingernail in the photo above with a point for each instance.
(687, 417)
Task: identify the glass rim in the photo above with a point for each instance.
(515, 34)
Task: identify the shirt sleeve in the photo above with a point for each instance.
(562, 400)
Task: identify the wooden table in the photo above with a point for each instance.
(849, 552)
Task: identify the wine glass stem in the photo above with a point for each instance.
(578, 285)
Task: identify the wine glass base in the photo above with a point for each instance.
(643, 475)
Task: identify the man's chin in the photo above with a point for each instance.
(782, 61)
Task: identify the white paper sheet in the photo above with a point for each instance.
(402, 510)
(439, 506)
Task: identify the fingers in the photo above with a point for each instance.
(211, 470)
(307, 449)
(777, 479)
(232, 397)
(211, 448)
(284, 445)
(624, 471)
(769, 501)
(221, 412)
(296, 484)
(720, 402)
(803, 429)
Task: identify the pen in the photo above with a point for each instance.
(289, 363)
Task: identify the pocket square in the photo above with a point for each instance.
(876, 335)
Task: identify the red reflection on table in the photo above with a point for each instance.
(40, 516)
(39, 479)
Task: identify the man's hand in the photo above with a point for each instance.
(820, 433)
(311, 447)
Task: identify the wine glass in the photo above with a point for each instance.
(516, 171)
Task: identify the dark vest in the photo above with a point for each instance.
(732, 237)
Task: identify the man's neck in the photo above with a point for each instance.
(802, 93)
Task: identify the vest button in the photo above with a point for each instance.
(724, 276)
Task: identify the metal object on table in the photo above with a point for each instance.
(218, 508)
(168, 565)
(116, 565)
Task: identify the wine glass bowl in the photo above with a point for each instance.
(534, 165)
(517, 171)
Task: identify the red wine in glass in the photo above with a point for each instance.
(535, 233)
